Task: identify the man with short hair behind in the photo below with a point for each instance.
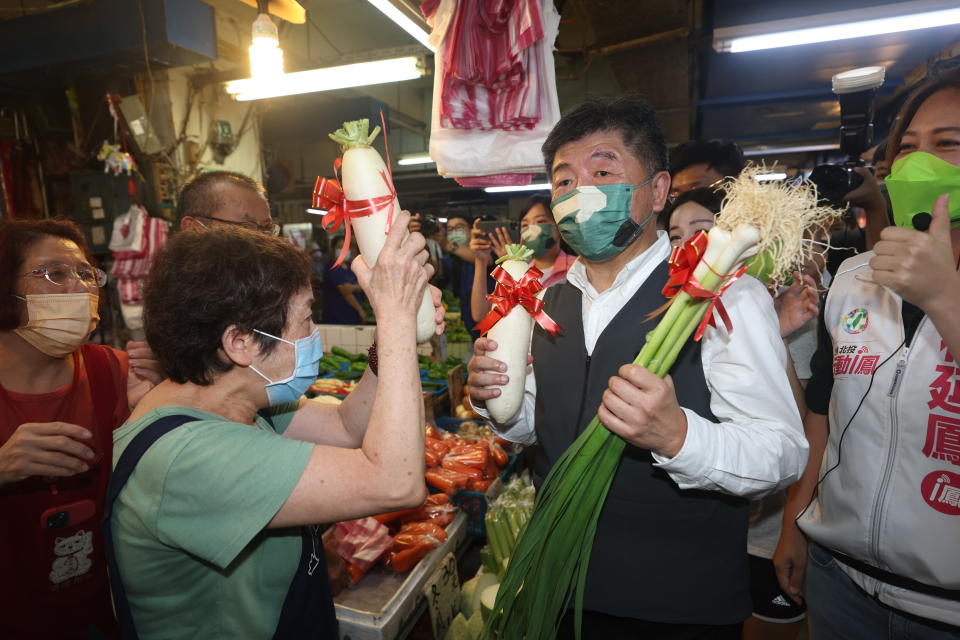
(224, 198)
(704, 163)
(668, 560)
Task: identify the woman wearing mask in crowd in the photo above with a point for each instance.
(538, 231)
(459, 265)
(342, 294)
(60, 400)
(224, 470)
(774, 614)
(883, 521)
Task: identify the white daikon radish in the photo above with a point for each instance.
(512, 334)
(368, 185)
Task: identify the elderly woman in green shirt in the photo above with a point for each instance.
(210, 529)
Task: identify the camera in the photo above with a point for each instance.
(428, 225)
(855, 91)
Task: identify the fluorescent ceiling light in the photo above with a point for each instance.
(403, 21)
(443, 220)
(771, 151)
(840, 25)
(526, 187)
(769, 177)
(319, 212)
(327, 79)
(414, 158)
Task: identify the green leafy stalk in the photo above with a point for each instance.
(355, 134)
(516, 252)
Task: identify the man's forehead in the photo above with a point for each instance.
(241, 204)
(597, 145)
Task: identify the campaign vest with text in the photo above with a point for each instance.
(658, 549)
(894, 500)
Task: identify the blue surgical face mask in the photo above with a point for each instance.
(595, 220)
(308, 351)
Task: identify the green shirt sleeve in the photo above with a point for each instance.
(282, 415)
(220, 484)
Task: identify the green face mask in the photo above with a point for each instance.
(595, 220)
(914, 184)
(538, 238)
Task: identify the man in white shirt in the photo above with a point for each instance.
(669, 556)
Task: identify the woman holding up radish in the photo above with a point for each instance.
(720, 427)
(224, 469)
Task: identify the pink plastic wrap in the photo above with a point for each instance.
(498, 180)
(361, 542)
(490, 76)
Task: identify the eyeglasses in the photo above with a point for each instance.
(271, 228)
(61, 274)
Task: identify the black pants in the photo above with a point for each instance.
(600, 626)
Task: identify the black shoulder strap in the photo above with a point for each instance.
(124, 468)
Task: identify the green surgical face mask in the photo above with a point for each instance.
(595, 220)
(459, 237)
(538, 238)
(914, 184)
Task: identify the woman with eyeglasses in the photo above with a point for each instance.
(60, 400)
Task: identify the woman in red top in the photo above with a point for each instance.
(60, 400)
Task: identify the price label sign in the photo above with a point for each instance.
(442, 592)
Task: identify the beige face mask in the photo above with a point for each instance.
(59, 323)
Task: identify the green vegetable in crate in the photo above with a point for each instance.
(347, 375)
(488, 601)
(352, 357)
(471, 590)
(328, 363)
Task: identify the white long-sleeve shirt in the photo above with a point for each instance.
(758, 445)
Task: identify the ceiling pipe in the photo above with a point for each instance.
(626, 45)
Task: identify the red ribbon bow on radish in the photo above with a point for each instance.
(328, 195)
(509, 293)
(683, 263)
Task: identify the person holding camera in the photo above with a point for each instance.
(538, 232)
(433, 232)
(869, 537)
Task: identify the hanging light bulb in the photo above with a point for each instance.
(266, 56)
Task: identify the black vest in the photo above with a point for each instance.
(661, 554)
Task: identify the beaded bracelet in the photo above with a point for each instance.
(372, 358)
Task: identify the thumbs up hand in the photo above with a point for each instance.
(920, 267)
